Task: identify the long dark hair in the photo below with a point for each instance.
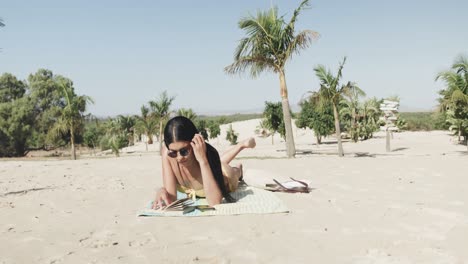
(181, 128)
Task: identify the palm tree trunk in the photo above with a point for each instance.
(459, 133)
(354, 126)
(160, 136)
(290, 146)
(338, 131)
(149, 139)
(72, 139)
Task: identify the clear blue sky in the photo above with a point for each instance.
(124, 54)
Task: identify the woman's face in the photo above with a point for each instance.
(181, 151)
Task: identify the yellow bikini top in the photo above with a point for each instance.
(191, 193)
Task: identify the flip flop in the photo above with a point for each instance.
(294, 186)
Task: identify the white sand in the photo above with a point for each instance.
(406, 206)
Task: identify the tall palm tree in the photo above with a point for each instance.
(269, 45)
(331, 92)
(161, 111)
(71, 117)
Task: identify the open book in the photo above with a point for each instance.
(184, 205)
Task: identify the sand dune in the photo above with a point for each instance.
(406, 206)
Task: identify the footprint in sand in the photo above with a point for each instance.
(9, 229)
(99, 240)
(144, 239)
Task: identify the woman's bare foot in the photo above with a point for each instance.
(249, 143)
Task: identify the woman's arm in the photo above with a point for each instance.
(168, 193)
(212, 191)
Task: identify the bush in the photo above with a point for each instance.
(424, 121)
(231, 135)
(214, 128)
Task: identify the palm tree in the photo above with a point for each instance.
(115, 136)
(370, 113)
(269, 44)
(331, 92)
(160, 110)
(350, 109)
(455, 97)
(147, 125)
(188, 113)
(71, 117)
(127, 124)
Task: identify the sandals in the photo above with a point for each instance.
(294, 186)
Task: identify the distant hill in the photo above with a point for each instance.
(409, 109)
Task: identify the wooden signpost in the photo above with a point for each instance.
(390, 110)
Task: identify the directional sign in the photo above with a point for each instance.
(387, 108)
(390, 109)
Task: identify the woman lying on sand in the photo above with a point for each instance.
(192, 166)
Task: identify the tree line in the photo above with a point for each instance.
(45, 113)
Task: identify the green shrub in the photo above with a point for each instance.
(424, 121)
(231, 135)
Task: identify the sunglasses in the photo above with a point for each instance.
(183, 152)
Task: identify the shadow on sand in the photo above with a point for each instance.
(398, 149)
(364, 155)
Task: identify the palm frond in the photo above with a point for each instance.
(302, 41)
(324, 75)
(339, 74)
(260, 24)
(144, 111)
(324, 99)
(459, 97)
(161, 108)
(60, 127)
(352, 91)
(447, 76)
(256, 64)
(461, 64)
(292, 22)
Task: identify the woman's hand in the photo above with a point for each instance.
(199, 148)
(162, 199)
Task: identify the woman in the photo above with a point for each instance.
(191, 165)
